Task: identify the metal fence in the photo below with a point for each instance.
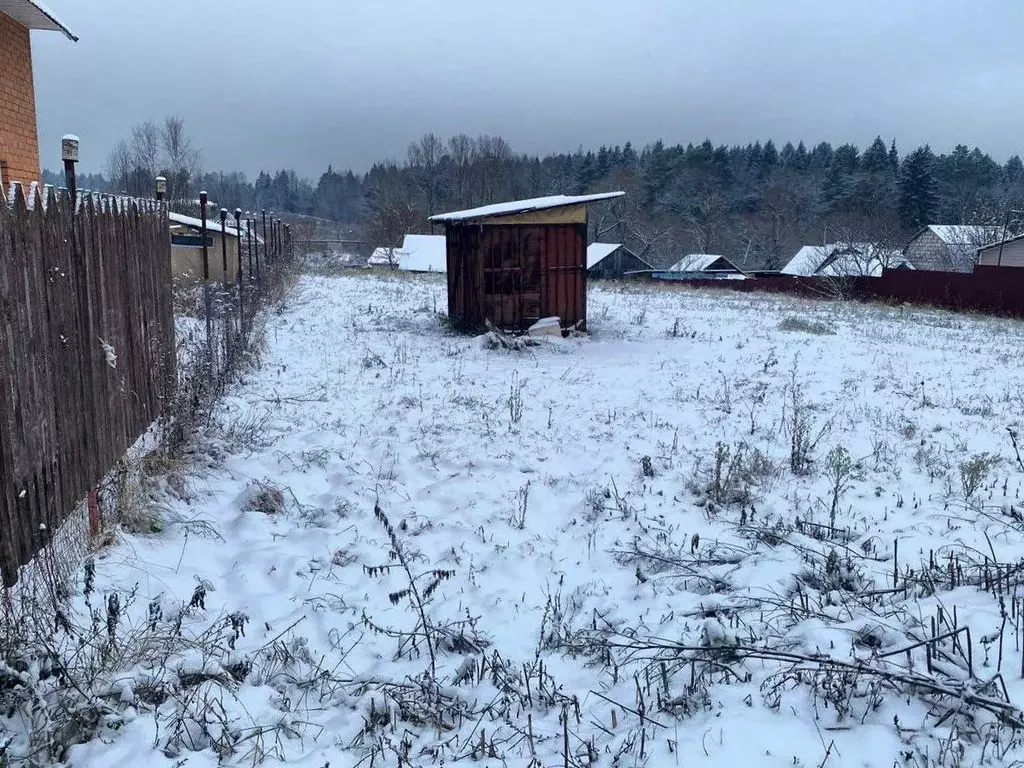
(262, 262)
(988, 290)
(86, 352)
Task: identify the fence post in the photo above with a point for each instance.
(207, 297)
(161, 188)
(266, 242)
(69, 154)
(238, 259)
(252, 226)
(225, 297)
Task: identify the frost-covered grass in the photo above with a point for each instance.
(722, 530)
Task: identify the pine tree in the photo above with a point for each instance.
(916, 188)
(876, 157)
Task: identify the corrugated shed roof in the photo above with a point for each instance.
(523, 206)
(35, 15)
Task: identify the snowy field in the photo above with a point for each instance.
(722, 530)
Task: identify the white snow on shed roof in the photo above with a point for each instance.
(524, 206)
(843, 260)
(697, 262)
(34, 15)
(211, 225)
(806, 261)
(384, 256)
(596, 252)
(966, 234)
(423, 253)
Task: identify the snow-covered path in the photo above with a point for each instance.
(633, 484)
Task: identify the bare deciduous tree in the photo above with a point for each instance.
(425, 158)
(181, 158)
(153, 149)
(390, 213)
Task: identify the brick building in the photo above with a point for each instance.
(19, 138)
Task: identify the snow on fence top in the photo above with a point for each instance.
(523, 206)
(34, 15)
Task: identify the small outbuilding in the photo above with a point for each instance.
(614, 260)
(187, 248)
(705, 266)
(515, 263)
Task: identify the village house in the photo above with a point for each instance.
(844, 260)
(614, 260)
(19, 137)
(1004, 253)
(949, 247)
(187, 247)
(703, 266)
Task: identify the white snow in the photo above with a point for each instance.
(424, 253)
(864, 259)
(966, 234)
(73, 137)
(524, 206)
(570, 488)
(697, 262)
(596, 252)
(212, 224)
(385, 257)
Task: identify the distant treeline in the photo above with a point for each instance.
(757, 203)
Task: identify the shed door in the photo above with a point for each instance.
(564, 274)
(511, 275)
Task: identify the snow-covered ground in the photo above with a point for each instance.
(673, 542)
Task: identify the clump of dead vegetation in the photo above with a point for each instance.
(803, 325)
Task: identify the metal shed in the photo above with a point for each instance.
(515, 263)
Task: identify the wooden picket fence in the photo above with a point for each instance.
(87, 355)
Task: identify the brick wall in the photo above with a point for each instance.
(19, 141)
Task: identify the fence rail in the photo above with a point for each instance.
(86, 352)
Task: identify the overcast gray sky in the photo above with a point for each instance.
(304, 83)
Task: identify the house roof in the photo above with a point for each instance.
(599, 251)
(997, 243)
(383, 256)
(840, 260)
(699, 262)
(964, 234)
(423, 253)
(34, 15)
(191, 223)
(523, 206)
(806, 261)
